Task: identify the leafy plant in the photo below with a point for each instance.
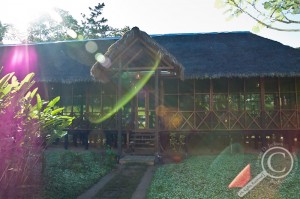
(177, 142)
(110, 157)
(22, 124)
(18, 134)
(51, 120)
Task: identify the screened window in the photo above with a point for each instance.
(252, 85)
(298, 91)
(220, 98)
(171, 101)
(171, 86)
(236, 97)
(202, 102)
(271, 94)
(220, 102)
(236, 102)
(186, 87)
(202, 86)
(186, 102)
(252, 94)
(220, 85)
(287, 93)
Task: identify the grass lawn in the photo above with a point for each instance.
(208, 176)
(67, 174)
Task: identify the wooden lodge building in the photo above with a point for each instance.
(142, 87)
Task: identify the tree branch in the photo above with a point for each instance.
(263, 23)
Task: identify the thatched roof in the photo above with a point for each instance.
(235, 54)
(67, 62)
(212, 55)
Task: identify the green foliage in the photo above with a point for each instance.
(177, 142)
(281, 15)
(3, 30)
(68, 174)
(18, 135)
(51, 119)
(118, 32)
(64, 27)
(94, 25)
(22, 125)
(110, 157)
(45, 28)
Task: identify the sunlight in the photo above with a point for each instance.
(21, 60)
(21, 13)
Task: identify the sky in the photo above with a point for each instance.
(151, 16)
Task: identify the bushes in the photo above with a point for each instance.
(19, 148)
(68, 174)
(23, 124)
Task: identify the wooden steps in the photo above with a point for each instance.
(149, 160)
(143, 142)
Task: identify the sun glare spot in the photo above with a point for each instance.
(80, 37)
(72, 33)
(104, 61)
(27, 12)
(55, 16)
(91, 46)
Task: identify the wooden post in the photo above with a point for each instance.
(210, 104)
(156, 95)
(262, 103)
(119, 114)
(263, 111)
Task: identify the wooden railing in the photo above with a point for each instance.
(231, 120)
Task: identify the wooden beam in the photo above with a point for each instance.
(132, 58)
(120, 54)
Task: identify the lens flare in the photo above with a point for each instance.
(72, 33)
(128, 96)
(80, 37)
(55, 16)
(91, 46)
(21, 60)
(169, 117)
(104, 61)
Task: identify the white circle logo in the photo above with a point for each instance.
(277, 162)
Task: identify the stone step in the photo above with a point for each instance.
(145, 159)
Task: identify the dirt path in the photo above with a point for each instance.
(127, 182)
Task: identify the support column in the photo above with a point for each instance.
(156, 95)
(262, 103)
(119, 114)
